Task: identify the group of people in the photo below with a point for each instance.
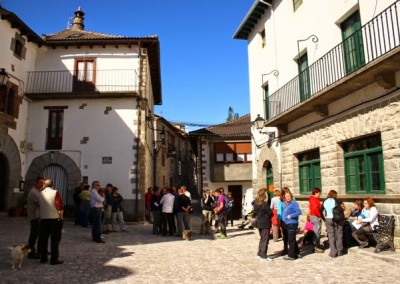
(45, 210)
(169, 210)
(281, 215)
(217, 207)
(104, 205)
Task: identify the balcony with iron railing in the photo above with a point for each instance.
(371, 54)
(70, 83)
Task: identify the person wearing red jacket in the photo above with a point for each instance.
(315, 218)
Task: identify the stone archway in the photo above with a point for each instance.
(11, 162)
(267, 154)
(54, 158)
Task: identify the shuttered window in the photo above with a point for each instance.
(364, 165)
(309, 171)
(232, 152)
(18, 46)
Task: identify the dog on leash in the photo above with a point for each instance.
(186, 235)
(17, 254)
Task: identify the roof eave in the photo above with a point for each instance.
(257, 8)
(17, 23)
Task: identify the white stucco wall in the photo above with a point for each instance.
(110, 135)
(16, 68)
(284, 30)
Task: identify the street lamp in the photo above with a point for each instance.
(259, 124)
(4, 77)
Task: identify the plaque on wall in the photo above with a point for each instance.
(107, 160)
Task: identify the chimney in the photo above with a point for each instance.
(78, 20)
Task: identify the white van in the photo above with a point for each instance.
(248, 197)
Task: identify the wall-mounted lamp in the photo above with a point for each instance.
(275, 72)
(163, 136)
(171, 154)
(314, 39)
(4, 77)
(259, 123)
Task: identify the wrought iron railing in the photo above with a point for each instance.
(97, 81)
(374, 39)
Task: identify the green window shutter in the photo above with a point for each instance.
(266, 102)
(317, 176)
(352, 175)
(353, 43)
(364, 168)
(304, 179)
(304, 78)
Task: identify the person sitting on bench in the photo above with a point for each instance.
(367, 224)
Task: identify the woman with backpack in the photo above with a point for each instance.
(263, 214)
(334, 226)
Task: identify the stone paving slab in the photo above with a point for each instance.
(140, 257)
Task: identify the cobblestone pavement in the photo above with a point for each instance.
(140, 257)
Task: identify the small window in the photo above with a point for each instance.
(297, 4)
(220, 157)
(266, 101)
(232, 152)
(229, 157)
(55, 129)
(18, 46)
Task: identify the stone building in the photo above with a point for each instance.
(174, 156)
(224, 158)
(326, 87)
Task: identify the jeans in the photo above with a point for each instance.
(206, 219)
(120, 217)
(222, 222)
(291, 229)
(317, 230)
(96, 228)
(108, 218)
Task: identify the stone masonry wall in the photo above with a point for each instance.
(373, 118)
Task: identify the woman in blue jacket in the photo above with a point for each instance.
(290, 219)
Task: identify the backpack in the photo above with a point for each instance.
(338, 213)
(228, 205)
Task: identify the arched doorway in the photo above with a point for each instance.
(4, 169)
(59, 167)
(59, 176)
(269, 180)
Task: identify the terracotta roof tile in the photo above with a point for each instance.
(76, 35)
(238, 128)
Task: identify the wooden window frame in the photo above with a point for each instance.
(353, 46)
(359, 166)
(18, 46)
(304, 77)
(84, 84)
(55, 143)
(311, 164)
(232, 148)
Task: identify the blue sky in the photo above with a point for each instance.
(203, 69)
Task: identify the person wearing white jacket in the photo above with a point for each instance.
(367, 224)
